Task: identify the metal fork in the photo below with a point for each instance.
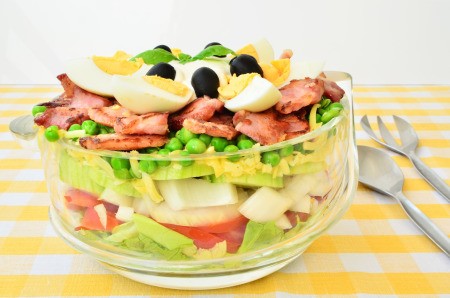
(409, 140)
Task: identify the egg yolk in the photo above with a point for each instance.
(118, 64)
(236, 85)
(277, 71)
(249, 50)
(168, 85)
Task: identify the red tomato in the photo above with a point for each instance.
(224, 227)
(201, 238)
(91, 221)
(78, 198)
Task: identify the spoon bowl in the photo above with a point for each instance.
(378, 171)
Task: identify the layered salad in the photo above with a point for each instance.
(177, 156)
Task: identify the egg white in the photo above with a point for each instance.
(87, 75)
(304, 69)
(259, 95)
(140, 97)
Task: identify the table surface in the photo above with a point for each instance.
(375, 250)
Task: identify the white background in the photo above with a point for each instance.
(377, 41)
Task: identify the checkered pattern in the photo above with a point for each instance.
(373, 251)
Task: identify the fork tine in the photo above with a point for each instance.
(368, 129)
(407, 133)
(387, 136)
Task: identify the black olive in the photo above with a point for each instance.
(244, 64)
(162, 69)
(164, 47)
(215, 44)
(205, 82)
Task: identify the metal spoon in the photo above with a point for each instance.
(378, 171)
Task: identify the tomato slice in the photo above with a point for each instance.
(201, 238)
(224, 227)
(78, 198)
(91, 221)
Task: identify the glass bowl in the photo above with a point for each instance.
(325, 158)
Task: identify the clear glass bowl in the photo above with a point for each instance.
(329, 149)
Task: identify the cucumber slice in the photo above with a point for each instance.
(256, 180)
(177, 171)
(308, 167)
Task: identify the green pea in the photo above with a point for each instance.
(75, 127)
(51, 133)
(205, 139)
(103, 129)
(118, 163)
(286, 151)
(90, 127)
(299, 148)
(172, 134)
(148, 166)
(174, 144)
(38, 109)
(335, 106)
(148, 150)
(185, 135)
(163, 163)
(219, 144)
(328, 115)
(271, 158)
(321, 111)
(232, 148)
(185, 162)
(195, 146)
(325, 102)
(122, 174)
(318, 118)
(242, 137)
(245, 144)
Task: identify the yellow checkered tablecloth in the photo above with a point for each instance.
(373, 251)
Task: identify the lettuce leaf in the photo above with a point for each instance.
(259, 235)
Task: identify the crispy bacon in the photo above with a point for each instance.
(295, 123)
(263, 127)
(332, 90)
(150, 123)
(211, 128)
(108, 115)
(80, 98)
(116, 141)
(298, 94)
(63, 117)
(201, 109)
(287, 53)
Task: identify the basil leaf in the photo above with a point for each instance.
(216, 50)
(184, 57)
(155, 56)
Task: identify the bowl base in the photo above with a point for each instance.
(199, 282)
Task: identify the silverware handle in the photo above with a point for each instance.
(437, 182)
(425, 224)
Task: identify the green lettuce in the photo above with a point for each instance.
(259, 235)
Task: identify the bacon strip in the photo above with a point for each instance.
(263, 127)
(332, 90)
(295, 124)
(150, 123)
(210, 128)
(80, 98)
(202, 109)
(108, 115)
(298, 94)
(63, 117)
(116, 141)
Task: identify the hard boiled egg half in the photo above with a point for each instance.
(147, 94)
(259, 95)
(95, 73)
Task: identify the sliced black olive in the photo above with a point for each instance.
(205, 82)
(215, 44)
(244, 64)
(164, 47)
(162, 69)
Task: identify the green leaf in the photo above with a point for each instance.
(258, 235)
(155, 56)
(216, 50)
(184, 57)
